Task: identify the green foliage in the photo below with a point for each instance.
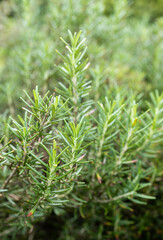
(151, 9)
(84, 152)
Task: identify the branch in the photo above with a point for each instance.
(9, 178)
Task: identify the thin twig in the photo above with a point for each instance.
(31, 233)
(9, 178)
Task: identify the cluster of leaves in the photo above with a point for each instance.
(70, 151)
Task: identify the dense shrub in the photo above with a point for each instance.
(83, 158)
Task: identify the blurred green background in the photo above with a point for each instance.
(124, 41)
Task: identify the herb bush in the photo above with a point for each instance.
(82, 160)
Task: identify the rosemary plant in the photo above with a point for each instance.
(72, 149)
